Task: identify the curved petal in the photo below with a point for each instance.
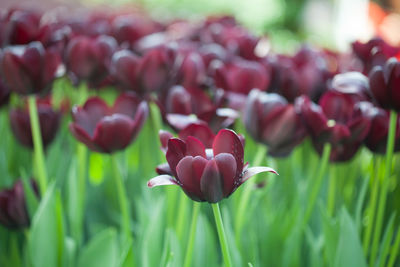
(227, 141)
(378, 87)
(82, 136)
(139, 119)
(179, 121)
(250, 172)
(194, 147)
(164, 137)
(164, 169)
(175, 152)
(189, 171)
(200, 131)
(127, 104)
(211, 183)
(227, 168)
(161, 180)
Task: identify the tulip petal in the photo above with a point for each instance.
(378, 87)
(79, 133)
(227, 168)
(139, 119)
(164, 137)
(194, 147)
(127, 104)
(189, 171)
(200, 131)
(250, 172)
(161, 180)
(164, 169)
(227, 141)
(211, 183)
(175, 152)
(179, 121)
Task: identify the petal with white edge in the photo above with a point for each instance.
(256, 170)
(161, 180)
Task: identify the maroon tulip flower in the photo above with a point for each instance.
(353, 84)
(89, 58)
(207, 174)
(30, 69)
(49, 121)
(376, 140)
(272, 121)
(124, 70)
(191, 72)
(241, 76)
(108, 129)
(337, 120)
(22, 27)
(4, 93)
(385, 84)
(13, 209)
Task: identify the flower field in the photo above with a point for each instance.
(132, 141)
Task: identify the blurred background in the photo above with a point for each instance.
(330, 23)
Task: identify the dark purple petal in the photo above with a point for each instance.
(175, 152)
(211, 183)
(200, 131)
(227, 141)
(189, 171)
(194, 147)
(227, 170)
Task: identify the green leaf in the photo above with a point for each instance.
(385, 245)
(46, 242)
(102, 250)
(349, 251)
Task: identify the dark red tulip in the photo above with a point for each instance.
(376, 139)
(206, 174)
(29, 69)
(154, 69)
(180, 104)
(108, 129)
(4, 93)
(22, 27)
(124, 70)
(339, 120)
(49, 121)
(88, 58)
(385, 84)
(373, 53)
(354, 84)
(13, 209)
(241, 76)
(271, 120)
(191, 72)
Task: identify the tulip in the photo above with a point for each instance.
(13, 209)
(191, 72)
(108, 129)
(89, 58)
(269, 119)
(22, 27)
(377, 137)
(4, 93)
(337, 120)
(49, 121)
(207, 174)
(354, 84)
(241, 76)
(29, 69)
(123, 69)
(385, 84)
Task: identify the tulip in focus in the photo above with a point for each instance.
(108, 129)
(206, 174)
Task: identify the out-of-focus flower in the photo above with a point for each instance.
(271, 120)
(376, 139)
(4, 93)
(182, 107)
(206, 174)
(191, 72)
(385, 84)
(339, 120)
(88, 58)
(354, 84)
(241, 76)
(49, 121)
(108, 129)
(124, 70)
(29, 69)
(373, 53)
(13, 209)
(22, 27)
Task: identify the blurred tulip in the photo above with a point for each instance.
(22, 27)
(376, 140)
(385, 84)
(108, 129)
(49, 121)
(191, 71)
(337, 120)
(354, 84)
(13, 209)
(241, 76)
(206, 174)
(272, 121)
(29, 69)
(89, 58)
(124, 70)
(4, 93)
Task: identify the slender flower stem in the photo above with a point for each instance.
(395, 249)
(221, 234)
(122, 197)
(331, 191)
(82, 170)
(37, 145)
(385, 187)
(372, 207)
(245, 197)
(193, 225)
(317, 183)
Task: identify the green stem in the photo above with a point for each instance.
(317, 183)
(37, 145)
(372, 208)
(82, 170)
(193, 225)
(221, 235)
(331, 191)
(245, 197)
(385, 186)
(395, 249)
(122, 197)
